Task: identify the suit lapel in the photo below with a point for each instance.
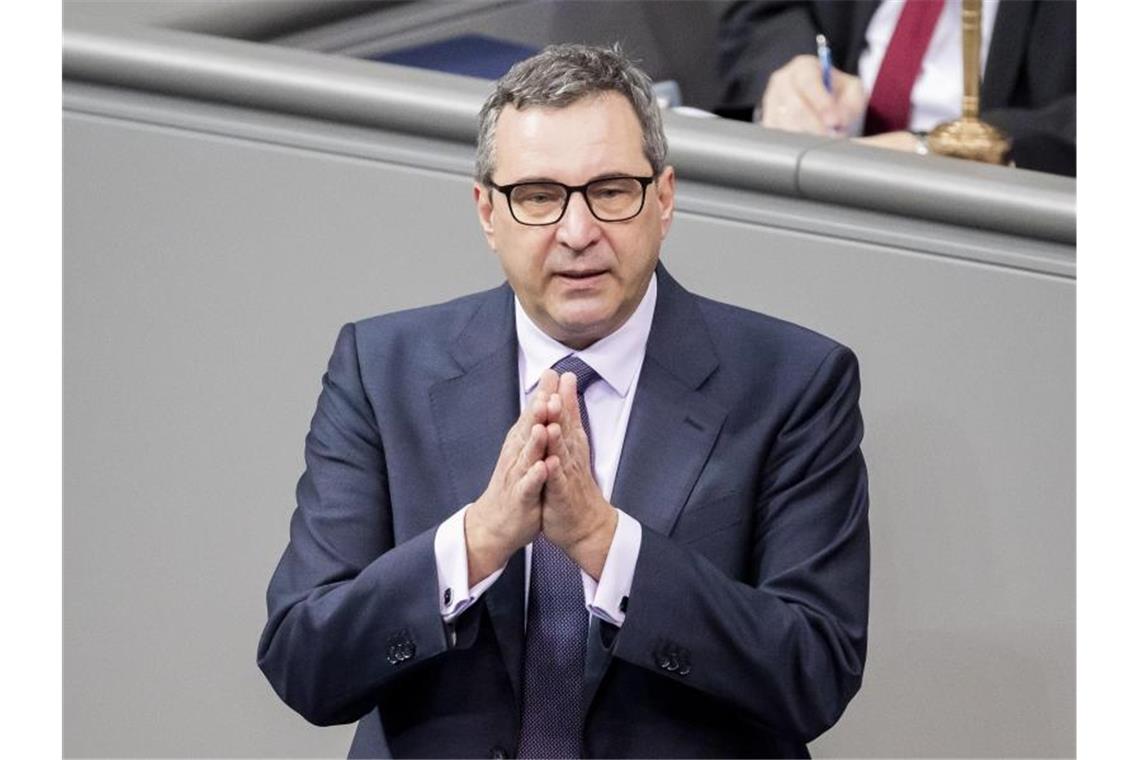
(472, 411)
(855, 27)
(672, 426)
(1007, 47)
(672, 429)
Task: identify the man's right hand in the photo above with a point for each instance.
(509, 513)
(796, 100)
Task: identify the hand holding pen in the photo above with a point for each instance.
(808, 94)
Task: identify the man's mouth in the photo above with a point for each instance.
(584, 274)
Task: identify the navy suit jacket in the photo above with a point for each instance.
(745, 630)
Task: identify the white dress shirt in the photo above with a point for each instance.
(937, 93)
(617, 359)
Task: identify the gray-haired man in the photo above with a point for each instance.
(586, 513)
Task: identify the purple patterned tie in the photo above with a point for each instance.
(557, 621)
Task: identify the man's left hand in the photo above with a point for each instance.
(575, 515)
(901, 140)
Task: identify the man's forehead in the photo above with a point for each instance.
(607, 106)
(600, 98)
(599, 133)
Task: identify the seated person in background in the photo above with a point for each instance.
(772, 75)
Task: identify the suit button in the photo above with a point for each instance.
(498, 753)
(400, 648)
(683, 668)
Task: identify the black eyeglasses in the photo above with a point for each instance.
(611, 199)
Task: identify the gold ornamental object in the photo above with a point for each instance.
(969, 137)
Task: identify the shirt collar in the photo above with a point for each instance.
(616, 357)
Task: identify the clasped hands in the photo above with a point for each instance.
(542, 483)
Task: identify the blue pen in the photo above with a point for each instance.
(824, 53)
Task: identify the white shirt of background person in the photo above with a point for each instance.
(937, 93)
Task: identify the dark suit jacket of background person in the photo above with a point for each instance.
(745, 631)
(1029, 88)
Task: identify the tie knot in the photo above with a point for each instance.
(584, 372)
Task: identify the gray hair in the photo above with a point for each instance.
(560, 76)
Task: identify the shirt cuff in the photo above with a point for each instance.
(451, 569)
(607, 597)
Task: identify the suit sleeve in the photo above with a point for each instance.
(787, 645)
(1045, 138)
(753, 40)
(348, 610)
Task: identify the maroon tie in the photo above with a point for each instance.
(889, 107)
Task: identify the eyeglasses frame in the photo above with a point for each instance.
(506, 190)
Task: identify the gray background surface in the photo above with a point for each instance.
(211, 253)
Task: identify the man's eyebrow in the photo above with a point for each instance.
(612, 175)
(595, 178)
(532, 179)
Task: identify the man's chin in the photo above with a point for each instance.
(581, 329)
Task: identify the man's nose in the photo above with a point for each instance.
(578, 228)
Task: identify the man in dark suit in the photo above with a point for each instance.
(767, 59)
(664, 554)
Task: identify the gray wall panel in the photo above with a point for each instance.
(205, 278)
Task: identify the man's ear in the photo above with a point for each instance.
(485, 211)
(666, 191)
